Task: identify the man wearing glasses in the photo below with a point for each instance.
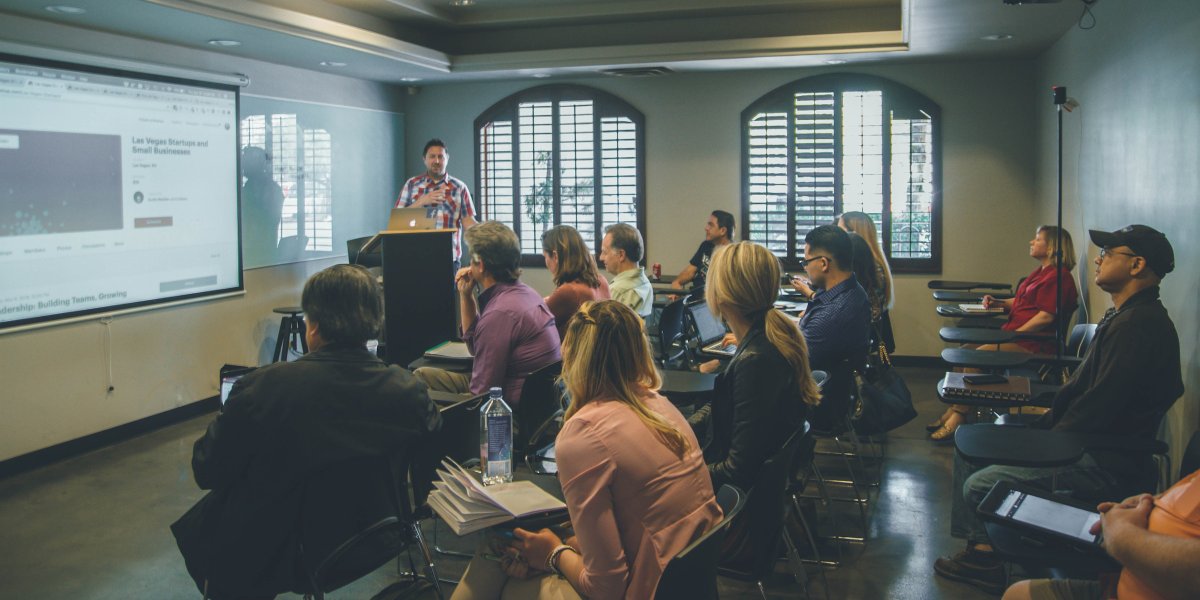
(1128, 380)
(837, 322)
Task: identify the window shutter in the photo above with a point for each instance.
(767, 187)
(815, 160)
(912, 188)
(577, 167)
(535, 140)
(618, 175)
(862, 155)
(496, 170)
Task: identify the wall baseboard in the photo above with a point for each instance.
(108, 437)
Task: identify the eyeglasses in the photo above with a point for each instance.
(804, 261)
(1106, 252)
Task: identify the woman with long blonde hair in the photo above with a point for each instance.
(763, 395)
(632, 476)
(881, 292)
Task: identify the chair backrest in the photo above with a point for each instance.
(1080, 339)
(766, 507)
(670, 332)
(353, 520)
(459, 437)
(370, 259)
(837, 399)
(1190, 462)
(693, 572)
(820, 377)
(540, 402)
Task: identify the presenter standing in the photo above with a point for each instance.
(437, 188)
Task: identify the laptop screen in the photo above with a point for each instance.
(708, 327)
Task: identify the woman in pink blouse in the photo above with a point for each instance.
(632, 475)
(576, 277)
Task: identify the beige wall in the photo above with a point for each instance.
(1132, 152)
(53, 381)
(693, 163)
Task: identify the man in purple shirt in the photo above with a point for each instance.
(508, 329)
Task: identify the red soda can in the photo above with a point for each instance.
(657, 269)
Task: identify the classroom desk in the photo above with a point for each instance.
(942, 284)
(972, 297)
(975, 335)
(1016, 446)
(953, 311)
(984, 359)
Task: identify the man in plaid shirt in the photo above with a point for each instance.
(436, 188)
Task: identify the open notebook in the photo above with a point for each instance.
(468, 506)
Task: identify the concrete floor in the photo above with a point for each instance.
(96, 526)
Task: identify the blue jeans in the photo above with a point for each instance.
(1081, 478)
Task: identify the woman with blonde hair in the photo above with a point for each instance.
(631, 470)
(881, 293)
(577, 279)
(1034, 308)
(762, 396)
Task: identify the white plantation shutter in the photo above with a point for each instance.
(829, 144)
(561, 155)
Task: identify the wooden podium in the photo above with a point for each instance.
(419, 297)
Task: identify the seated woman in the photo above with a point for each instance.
(576, 277)
(881, 295)
(763, 395)
(1032, 309)
(632, 476)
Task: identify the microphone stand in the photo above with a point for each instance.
(1060, 98)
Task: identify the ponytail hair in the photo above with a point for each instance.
(744, 278)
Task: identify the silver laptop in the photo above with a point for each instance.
(418, 218)
(710, 331)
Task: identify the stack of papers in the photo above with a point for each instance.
(979, 309)
(456, 351)
(467, 506)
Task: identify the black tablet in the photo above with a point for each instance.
(1040, 512)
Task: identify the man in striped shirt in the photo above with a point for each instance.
(437, 188)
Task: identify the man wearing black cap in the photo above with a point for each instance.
(1128, 380)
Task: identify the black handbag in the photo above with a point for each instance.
(884, 402)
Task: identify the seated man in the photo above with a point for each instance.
(621, 251)
(509, 329)
(718, 231)
(1129, 378)
(837, 323)
(1156, 540)
(285, 422)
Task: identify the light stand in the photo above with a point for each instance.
(1060, 98)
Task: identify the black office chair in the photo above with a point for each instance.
(354, 257)
(764, 529)
(369, 497)
(538, 411)
(672, 348)
(692, 573)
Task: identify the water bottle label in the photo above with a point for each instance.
(499, 434)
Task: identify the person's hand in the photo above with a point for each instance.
(802, 286)
(435, 195)
(535, 548)
(729, 339)
(1133, 512)
(988, 300)
(464, 281)
(514, 566)
(710, 366)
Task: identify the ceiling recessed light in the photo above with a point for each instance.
(997, 37)
(410, 79)
(332, 63)
(541, 75)
(63, 9)
(462, 2)
(835, 61)
(224, 43)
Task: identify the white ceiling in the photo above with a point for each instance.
(436, 40)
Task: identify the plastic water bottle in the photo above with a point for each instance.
(495, 439)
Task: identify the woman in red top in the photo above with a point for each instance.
(1032, 308)
(576, 277)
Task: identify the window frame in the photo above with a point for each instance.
(604, 105)
(896, 96)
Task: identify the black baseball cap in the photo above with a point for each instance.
(1147, 242)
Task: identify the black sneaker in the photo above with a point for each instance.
(979, 569)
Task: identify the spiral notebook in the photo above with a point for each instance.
(1016, 389)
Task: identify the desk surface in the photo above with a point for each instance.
(1041, 395)
(943, 284)
(1016, 446)
(960, 296)
(975, 335)
(984, 359)
(953, 311)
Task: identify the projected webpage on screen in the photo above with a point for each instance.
(114, 191)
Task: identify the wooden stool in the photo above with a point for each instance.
(291, 331)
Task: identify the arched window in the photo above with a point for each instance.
(828, 144)
(561, 154)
